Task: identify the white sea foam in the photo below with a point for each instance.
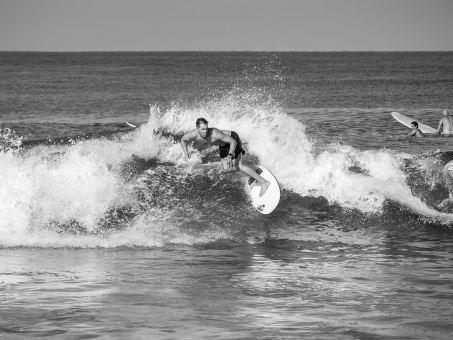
(51, 186)
(81, 183)
(281, 144)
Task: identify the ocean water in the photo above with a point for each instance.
(105, 232)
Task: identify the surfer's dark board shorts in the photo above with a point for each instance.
(224, 150)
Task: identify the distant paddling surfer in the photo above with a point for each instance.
(415, 131)
(446, 122)
(230, 149)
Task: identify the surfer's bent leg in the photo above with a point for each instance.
(237, 162)
(245, 169)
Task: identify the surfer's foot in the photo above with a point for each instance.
(264, 187)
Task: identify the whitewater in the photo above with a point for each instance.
(48, 190)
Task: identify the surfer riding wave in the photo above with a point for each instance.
(230, 149)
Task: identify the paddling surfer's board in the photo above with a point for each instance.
(405, 120)
(269, 201)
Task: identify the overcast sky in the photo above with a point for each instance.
(226, 25)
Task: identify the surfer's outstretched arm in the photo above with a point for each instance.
(412, 134)
(185, 140)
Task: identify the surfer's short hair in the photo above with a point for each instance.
(415, 124)
(201, 121)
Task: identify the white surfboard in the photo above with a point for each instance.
(269, 201)
(405, 120)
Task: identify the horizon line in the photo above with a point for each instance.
(222, 51)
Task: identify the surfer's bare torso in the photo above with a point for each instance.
(213, 136)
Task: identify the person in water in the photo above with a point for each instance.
(230, 149)
(446, 122)
(415, 131)
(447, 173)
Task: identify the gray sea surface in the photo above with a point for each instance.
(105, 232)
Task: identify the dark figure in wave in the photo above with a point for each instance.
(230, 149)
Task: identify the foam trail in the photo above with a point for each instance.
(15, 195)
(62, 187)
(48, 189)
(80, 182)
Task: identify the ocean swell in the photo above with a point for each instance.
(134, 189)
